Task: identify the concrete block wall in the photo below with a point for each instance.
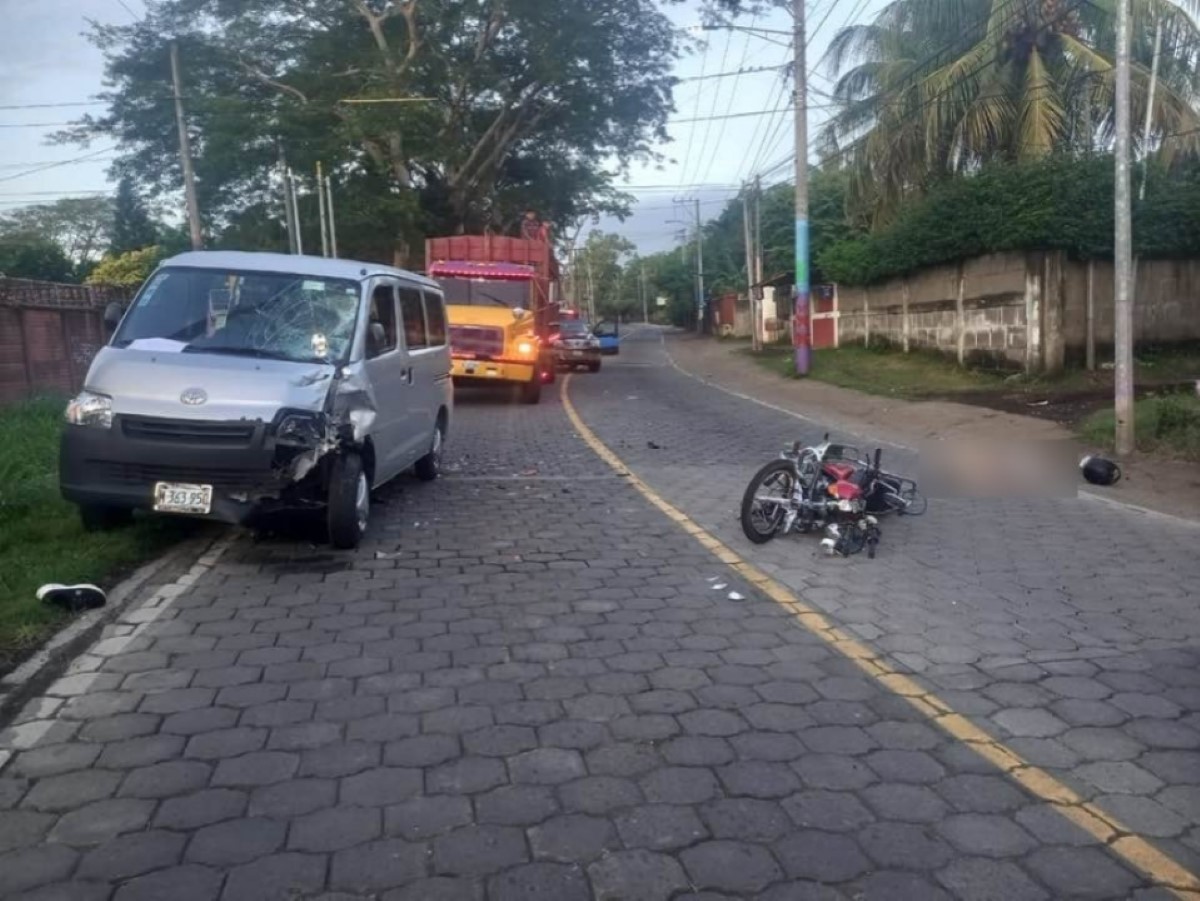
(1021, 310)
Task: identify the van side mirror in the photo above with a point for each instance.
(113, 314)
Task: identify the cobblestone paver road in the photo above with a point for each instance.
(524, 686)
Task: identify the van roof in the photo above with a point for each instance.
(300, 264)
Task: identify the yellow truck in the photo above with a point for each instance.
(501, 301)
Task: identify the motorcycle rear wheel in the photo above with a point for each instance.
(758, 524)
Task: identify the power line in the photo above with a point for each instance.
(733, 73)
(54, 193)
(729, 106)
(687, 157)
(129, 10)
(15, 106)
(49, 166)
(27, 163)
(35, 124)
(713, 110)
(749, 114)
(780, 89)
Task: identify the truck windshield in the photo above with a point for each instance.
(271, 315)
(466, 292)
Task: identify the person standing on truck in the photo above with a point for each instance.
(533, 229)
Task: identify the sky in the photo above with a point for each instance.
(45, 59)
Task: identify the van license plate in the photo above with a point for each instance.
(172, 497)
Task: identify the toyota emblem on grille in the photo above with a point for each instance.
(194, 397)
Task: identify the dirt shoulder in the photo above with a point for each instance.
(1166, 486)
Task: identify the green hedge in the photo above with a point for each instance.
(1058, 204)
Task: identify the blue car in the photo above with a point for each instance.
(609, 333)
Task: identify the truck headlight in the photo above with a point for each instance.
(526, 348)
(90, 409)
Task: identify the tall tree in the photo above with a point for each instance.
(603, 267)
(132, 227)
(80, 226)
(938, 87)
(484, 107)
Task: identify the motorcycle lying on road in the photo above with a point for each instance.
(826, 487)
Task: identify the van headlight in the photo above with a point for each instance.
(90, 409)
(300, 429)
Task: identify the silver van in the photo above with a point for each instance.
(241, 384)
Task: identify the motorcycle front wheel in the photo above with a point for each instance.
(765, 503)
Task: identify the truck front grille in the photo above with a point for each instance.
(477, 340)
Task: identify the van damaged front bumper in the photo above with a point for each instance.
(252, 467)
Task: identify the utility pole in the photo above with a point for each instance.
(749, 241)
(801, 339)
(1123, 248)
(288, 217)
(185, 155)
(699, 271)
(321, 209)
(645, 308)
(758, 251)
(295, 202)
(329, 209)
(591, 291)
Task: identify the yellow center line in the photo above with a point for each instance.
(1138, 853)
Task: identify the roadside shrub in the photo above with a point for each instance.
(1059, 203)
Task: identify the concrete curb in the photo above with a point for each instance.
(48, 663)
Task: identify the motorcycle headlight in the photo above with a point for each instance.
(90, 409)
(300, 429)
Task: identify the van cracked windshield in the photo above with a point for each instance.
(600, 450)
(253, 314)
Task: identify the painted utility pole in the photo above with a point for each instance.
(185, 155)
(699, 271)
(329, 209)
(1123, 248)
(321, 211)
(801, 337)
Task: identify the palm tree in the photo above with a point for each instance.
(939, 87)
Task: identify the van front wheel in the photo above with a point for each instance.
(349, 502)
